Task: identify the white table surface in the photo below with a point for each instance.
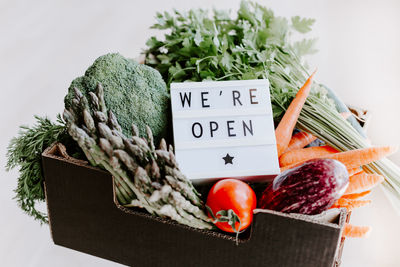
(44, 45)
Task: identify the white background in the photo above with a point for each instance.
(46, 44)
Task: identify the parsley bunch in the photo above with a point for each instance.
(201, 45)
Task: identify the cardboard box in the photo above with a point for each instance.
(84, 216)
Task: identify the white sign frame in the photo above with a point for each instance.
(209, 102)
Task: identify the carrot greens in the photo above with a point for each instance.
(24, 153)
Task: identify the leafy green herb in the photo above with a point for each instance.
(200, 45)
(25, 152)
(301, 24)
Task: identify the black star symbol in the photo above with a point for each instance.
(228, 159)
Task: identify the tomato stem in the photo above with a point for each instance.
(228, 216)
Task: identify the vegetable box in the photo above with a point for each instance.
(84, 215)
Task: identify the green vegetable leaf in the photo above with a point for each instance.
(24, 152)
(216, 41)
(153, 42)
(186, 42)
(305, 47)
(198, 38)
(226, 61)
(302, 25)
(278, 30)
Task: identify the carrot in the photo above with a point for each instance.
(356, 195)
(356, 158)
(302, 155)
(300, 140)
(354, 171)
(362, 182)
(285, 127)
(350, 204)
(350, 230)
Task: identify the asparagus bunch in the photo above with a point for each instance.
(144, 176)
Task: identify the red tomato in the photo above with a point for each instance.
(236, 195)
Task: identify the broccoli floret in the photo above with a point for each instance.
(136, 93)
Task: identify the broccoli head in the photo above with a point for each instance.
(136, 93)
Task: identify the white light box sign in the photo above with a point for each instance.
(224, 129)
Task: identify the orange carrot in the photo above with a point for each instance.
(285, 127)
(302, 155)
(350, 204)
(350, 230)
(362, 182)
(354, 171)
(300, 140)
(356, 195)
(356, 158)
